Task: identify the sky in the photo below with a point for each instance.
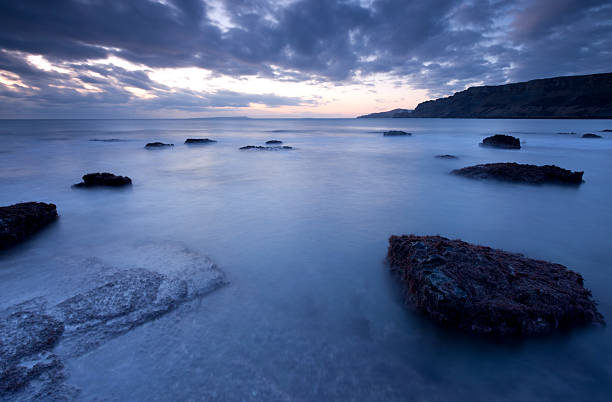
(282, 58)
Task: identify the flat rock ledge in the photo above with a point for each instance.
(20, 221)
(272, 142)
(591, 135)
(521, 173)
(158, 145)
(395, 133)
(262, 148)
(487, 291)
(104, 180)
(36, 338)
(502, 141)
(199, 141)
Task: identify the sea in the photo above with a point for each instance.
(311, 311)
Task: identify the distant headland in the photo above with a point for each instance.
(571, 97)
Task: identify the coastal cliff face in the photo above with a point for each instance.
(582, 96)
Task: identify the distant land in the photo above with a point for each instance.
(572, 97)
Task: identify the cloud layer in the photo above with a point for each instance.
(54, 54)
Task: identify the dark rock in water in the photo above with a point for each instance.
(19, 221)
(446, 157)
(591, 135)
(104, 180)
(486, 291)
(107, 140)
(261, 148)
(158, 145)
(606, 131)
(274, 142)
(199, 141)
(522, 173)
(502, 141)
(395, 133)
(572, 133)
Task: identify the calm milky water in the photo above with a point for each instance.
(311, 312)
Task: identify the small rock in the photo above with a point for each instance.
(199, 141)
(395, 133)
(502, 141)
(567, 133)
(158, 145)
(486, 291)
(274, 142)
(19, 221)
(104, 180)
(107, 140)
(446, 157)
(607, 130)
(522, 173)
(591, 135)
(261, 148)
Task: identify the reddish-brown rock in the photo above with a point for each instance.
(488, 291)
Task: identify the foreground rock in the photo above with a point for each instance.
(199, 141)
(502, 141)
(487, 291)
(104, 180)
(591, 135)
(37, 338)
(271, 142)
(19, 221)
(395, 133)
(261, 148)
(446, 157)
(521, 173)
(158, 145)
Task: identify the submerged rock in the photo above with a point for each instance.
(591, 135)
(446, 157)
(521, 173)
(104, 180)
(158, 145)
(395, 133)
(199, 141)
(488, 291)
(107, 140)
(19, 221)
(261, 148)
(274, 142)
(572, 133)
(502, 141)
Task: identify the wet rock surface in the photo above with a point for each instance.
(591, 135)
(199, 141)
(262, 148)
(502, 141)
(395, 133)
(158, 145)
(521, 173)
(104, 180)
(271, 142)
(487, 291)
(36, 338)
(447, 157)
(20, 221)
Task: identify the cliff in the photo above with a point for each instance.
(573, 97)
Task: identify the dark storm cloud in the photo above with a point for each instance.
(439, 45)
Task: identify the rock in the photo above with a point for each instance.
(107, 140)
(274, 142)
(158, 145)
(19, 221)
(446, 157)
(199, 141)
(487, 291)
(521, 173)
(104, 180)
(261, 148)
(502, 141)
(591, 135)
(567, 133)
(606, 131)
(395, 133)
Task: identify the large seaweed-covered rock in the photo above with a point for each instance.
(522, 173)
(488, 291)
(502, 141)
(104, 180)
(19, 221)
